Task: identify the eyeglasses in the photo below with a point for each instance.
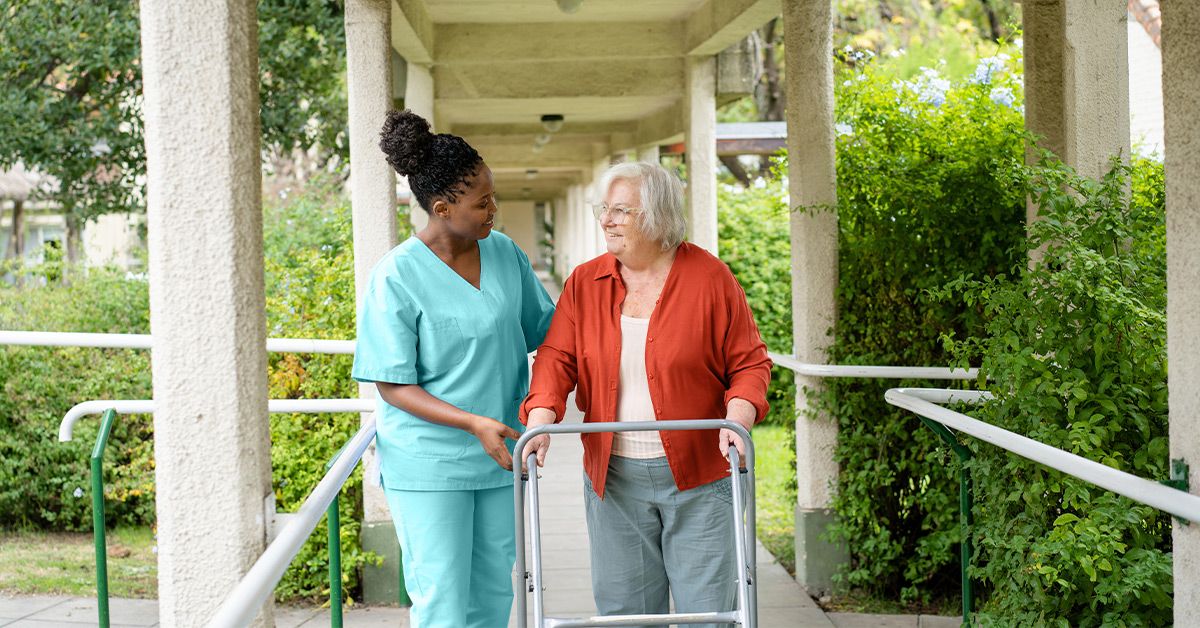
(618, 215)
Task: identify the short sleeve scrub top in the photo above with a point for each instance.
(422, 323)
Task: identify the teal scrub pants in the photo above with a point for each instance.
(652, 542)
(459, 550)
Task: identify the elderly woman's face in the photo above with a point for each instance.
(627, 236)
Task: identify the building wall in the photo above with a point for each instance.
(1145, 92)
(517, 219)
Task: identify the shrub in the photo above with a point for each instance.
(752, 227)
(45, 483)
(930, 186)
(1075, 352)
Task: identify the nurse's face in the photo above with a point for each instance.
(473, 214)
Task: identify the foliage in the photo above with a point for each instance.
(310, 294)
(752, 229)
(1075, 352)
(45, 483)
(70, 107)
(72, 97)
(930, 186)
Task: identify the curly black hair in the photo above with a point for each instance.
(435, 164)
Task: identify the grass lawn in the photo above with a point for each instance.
(775, 469)
(64, 563)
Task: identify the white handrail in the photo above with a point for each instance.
(243, 603)
(146, 341)
(881, 372)
(923, 402)
(146, 406)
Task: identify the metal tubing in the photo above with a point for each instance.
(739, 540)
(242, 604)
(519, 466)
(146, 341)
(333, 522)
(1170, 500)
(964, 513)
(880, 372)
(145, 406)
(98, 516)
(535, 532)
(727, 617)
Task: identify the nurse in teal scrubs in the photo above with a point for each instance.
(447, 321)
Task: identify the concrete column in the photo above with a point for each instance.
(211, 435)
(812, 185)
(1077, 80)
(418, 98)
(1181, 108)
(373, 207)
(702, 151)
(649, 154)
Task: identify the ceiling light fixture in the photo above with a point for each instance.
(552, 122)
(531, 173)
(569, 6)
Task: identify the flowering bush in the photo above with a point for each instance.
(930, 185)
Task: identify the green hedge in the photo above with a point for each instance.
(1075, 352)
(930, 187)
(752, 229)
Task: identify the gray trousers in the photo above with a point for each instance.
(650, 540)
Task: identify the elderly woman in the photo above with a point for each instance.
(654, 329)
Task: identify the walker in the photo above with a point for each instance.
(746, 613)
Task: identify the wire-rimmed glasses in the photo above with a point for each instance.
(618, 214)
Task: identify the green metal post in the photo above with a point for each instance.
(964, 513)
(335, 565)
(106, 422)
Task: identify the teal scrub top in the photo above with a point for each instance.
(422, 323)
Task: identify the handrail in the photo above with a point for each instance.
(146, 341)
(923, 401)
(243, 603)
(882, 372)
(146, 406)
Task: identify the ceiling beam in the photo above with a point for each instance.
(718, 24)
(512, 156)
(562, 41)
(532, 129)
(412, 31)
(663, 127)
(560, 79)
(582, 109)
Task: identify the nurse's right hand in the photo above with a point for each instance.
(491, 434)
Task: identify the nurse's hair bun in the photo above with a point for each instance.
(406, 140)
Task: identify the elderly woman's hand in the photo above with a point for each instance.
(541, 442)
(743, 413)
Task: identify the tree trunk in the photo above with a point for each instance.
(73, 254)
(770, 98)
(735, 168)
(16, 237)
(993, 23)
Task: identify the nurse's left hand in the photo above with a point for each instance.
(492, 434)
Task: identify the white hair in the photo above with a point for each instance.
(661, 195)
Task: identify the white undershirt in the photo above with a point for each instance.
(633, 393)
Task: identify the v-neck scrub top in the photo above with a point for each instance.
(422, 323)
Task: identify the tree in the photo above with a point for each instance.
(71, 102)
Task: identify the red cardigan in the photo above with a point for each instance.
(702, 349)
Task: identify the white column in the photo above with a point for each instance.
(812, 181)
(211, 434)
(1077, 80)
(418, 98)
(373, 207)
(649, 153)
(1181, 105)
(702, 151)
